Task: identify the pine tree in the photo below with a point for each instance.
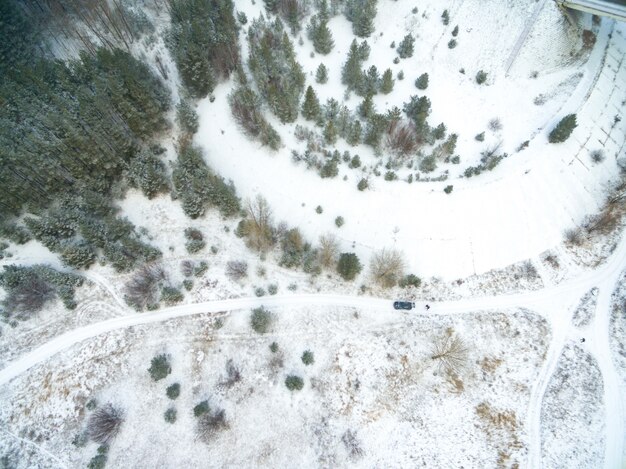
(405, 48)
(422, 81)
(563, 129)
(363, 13)
(323, 12)
(386, 85)
(354, 133)
(439, 132)
(366, 108)
(351, 74)
(311, 106)
(321, 75)
(320, 34)
(330, 133)
(370, 82)
(418, 110)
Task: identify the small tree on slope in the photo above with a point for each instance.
(563, 129)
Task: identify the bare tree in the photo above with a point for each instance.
(574, 236)
(402, 138)
(104, 424)
(258, 227)
(233, 375)
(29, 295)
(142, 289)
(450, 353)
(387, 267)
(328, 251)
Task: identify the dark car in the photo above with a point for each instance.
(403, 305)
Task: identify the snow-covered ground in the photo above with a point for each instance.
(374, 396)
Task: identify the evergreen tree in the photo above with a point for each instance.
(330, 133)
(273, 64)
(439, 132)
(361, 13)
(320, 34)
(366, 108)
(349, 265)
(351, 74)
(370, 83)
(323, 11)
(321, 75)
(405, 48)
(563, 129)
(187, 117)
(377, 124)
(422, 81)
(354, 134)
(386, 85)
(311, 106)
(147, 172)
(203, 41)
(418, 110)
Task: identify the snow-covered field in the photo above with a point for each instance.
(543, 382)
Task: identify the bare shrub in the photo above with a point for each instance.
(402, 137)
(104, 424)
(352, 444)
(387, 267)
(143, 288)
(186, 268)
(529, 270)
(210, 424)
(236, 270)
(258, 226)
(328, 251)
(574, 236)
(233, 375)
(450, 353)
(495, 125)
(597, 156)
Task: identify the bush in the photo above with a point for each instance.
(188, 284)
(261, 320)
(349, 266)
(195, 240)
(363, 184)
(259, 291)
(294, 383)
(563, 129)
(236, 270)
(173, 391)
(319, 209)
(339, 221)
(272, 289)
(141, 290)
(200, 269)
(428, 164)
(455, 31)
(201, 408)
(97, 462)
(307, 357)
(410, 280)
(245, 105)
(451, 43)
(170, 415)
(171, 295)
(480, 137)
(448, 189)
(104, 424)
(597, 156)
(481, 77)
(159, 367)
(273, 347)
(233, 375)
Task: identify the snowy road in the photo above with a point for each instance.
(556, 303)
